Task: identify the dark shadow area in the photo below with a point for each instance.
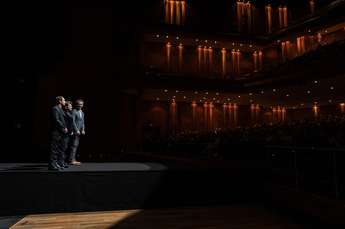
(241, 216)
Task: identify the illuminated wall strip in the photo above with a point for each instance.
(223, 62)
(199, 52)
(316, 111)
(175, 12)
(283, 16)
(173, 116)
(194, 121)
(211, 118)
(244, 14)
(268, 13)
(168, 55)
(183, 9)
(255, 60)
(180, 56)
(210, 59)
(260, 60)
(312, 6)
(206, 115)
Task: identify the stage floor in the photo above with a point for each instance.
(235, 217)
(84, 167)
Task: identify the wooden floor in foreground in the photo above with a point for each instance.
(232, 217)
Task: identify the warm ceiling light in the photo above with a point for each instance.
(214, 98)
(184, 97)
(302, 104)
(262, 92)
(195, 92)
(308, 92)
(330, 101)
(250, 93)
(239, 96)
(174, 96)
(274, 90)
(176, 91)
(205, 41)
(233, 43)
(287, 95)
(228, 99)
(315, 81)
(157, 98)
(157, 35)
(215, 42)
(331, 88)
(206, 92)
(204, 97)
(166, 36)
(217, 93)
(197, 40)
(250, 46)
(165, 90)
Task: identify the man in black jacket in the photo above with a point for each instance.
(78, 116)
(71, 128)
(58, 132)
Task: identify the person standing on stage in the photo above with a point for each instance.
(69, 119)
(79, 121)
(58, 132)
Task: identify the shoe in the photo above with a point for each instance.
(75, 163)
(60, 166)
(53, 167)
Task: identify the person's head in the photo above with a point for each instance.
(68, 105)
(60, 100)
(79, 103)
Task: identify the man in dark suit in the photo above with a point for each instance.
(69, 119)
(58, 132)
(79, 121)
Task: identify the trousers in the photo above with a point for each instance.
(57, 147)
(73, 147)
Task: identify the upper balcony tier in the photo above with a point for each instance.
(259, 19)
(232, 59)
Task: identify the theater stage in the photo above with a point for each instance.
(32, 188)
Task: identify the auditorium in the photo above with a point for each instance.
(169, 114)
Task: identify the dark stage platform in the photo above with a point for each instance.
(84, 167)
(32, 188)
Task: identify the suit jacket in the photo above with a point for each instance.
(69, 118)
(58, 119)
(79, 122)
